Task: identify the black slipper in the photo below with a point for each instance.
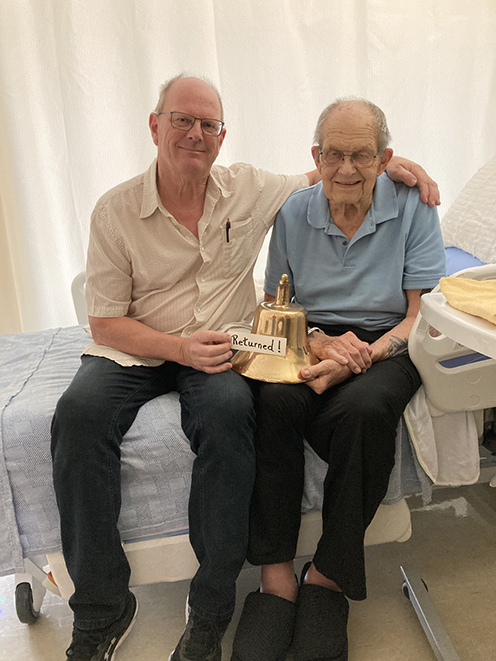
(265, 628)
(320, 630)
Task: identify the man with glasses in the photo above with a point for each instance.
(359, 249)
(169, 273)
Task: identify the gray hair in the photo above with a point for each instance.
(169, 83)
(383, 134)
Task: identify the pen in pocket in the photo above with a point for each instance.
(228, 227)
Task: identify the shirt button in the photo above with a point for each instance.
(345, 243)
(202, 279)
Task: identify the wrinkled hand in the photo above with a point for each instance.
(412, 174)
(345, 349)
(207, 351)
(324, 375)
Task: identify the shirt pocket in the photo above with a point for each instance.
(238, 251)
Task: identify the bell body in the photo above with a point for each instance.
(287, 320)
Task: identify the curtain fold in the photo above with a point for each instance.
(78, 79)
(10, 319)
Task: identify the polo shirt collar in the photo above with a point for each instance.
(151, 199)
(318, 215)
(384, 202)
(384, 207)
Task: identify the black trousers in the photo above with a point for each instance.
(352, 426)
(89, 424)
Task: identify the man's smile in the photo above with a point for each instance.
(198, 151)
(347, 184)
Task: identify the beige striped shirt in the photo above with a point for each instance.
(143, 264)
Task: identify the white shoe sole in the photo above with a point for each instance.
(126, 633)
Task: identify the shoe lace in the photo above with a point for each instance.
(84, 643)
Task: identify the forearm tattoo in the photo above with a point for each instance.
(397, 346)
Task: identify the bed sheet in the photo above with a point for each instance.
(458, 259)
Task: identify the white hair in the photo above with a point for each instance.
(383, 134)
(169, 83)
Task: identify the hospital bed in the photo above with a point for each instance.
(37, 367)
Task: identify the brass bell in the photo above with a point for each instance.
(279, 318)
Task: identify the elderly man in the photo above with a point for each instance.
(169, 271)
(359, 249)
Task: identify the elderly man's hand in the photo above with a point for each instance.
(412, 174)
(345, 349)
(324, 375)
(207, 351)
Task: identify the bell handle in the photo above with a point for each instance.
(282, 294)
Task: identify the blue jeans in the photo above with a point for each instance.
(90, 420)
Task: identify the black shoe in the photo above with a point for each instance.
(201, 640)
(265, 628)
(101, 644)
(320, 630)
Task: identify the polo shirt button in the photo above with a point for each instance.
(345, 243)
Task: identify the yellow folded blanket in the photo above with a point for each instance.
(477, 297)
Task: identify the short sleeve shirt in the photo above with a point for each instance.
(358, 282)
(143, 264)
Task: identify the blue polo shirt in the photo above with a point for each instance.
(358, 282)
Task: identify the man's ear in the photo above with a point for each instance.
(316, 156)
(222, 137)
(153, 124)
(387, 155)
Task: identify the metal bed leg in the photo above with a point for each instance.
(429, 619)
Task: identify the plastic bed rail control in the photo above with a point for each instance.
(458, 367)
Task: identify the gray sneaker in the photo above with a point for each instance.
(201, 640)
(101, 644)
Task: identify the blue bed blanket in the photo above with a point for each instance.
(35, 369)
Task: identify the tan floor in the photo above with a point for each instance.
(453, 546)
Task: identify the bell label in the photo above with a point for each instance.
(259, 343)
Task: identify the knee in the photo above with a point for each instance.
(372, 407)
(75, 409)
(75, 425)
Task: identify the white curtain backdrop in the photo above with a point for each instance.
(79, 77)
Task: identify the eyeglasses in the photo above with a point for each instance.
(360, 159)
(185, 122)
